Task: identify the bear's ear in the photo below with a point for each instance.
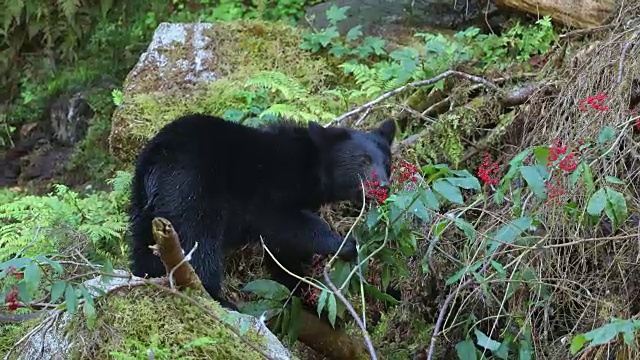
(387, 130)
(326, 136)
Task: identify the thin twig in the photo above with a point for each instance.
(414, 84)
(623, 56)
(447, 301)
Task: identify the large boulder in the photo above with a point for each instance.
(381, 17)
(139, 319)
(199, 67)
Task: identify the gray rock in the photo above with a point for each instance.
(187, 45)
(379, 17)
(69, 116)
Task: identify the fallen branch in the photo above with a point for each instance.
(414, 84)
(172, 255)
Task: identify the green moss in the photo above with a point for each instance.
(399, 335)
(173, 328)
(241, 49)
(447, 138)
(11, 333)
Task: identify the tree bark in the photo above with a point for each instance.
(581, 14)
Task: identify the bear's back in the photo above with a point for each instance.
(243, 164)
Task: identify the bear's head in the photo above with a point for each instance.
(348, 156)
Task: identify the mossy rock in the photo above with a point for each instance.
(131, 321)
(200, 67)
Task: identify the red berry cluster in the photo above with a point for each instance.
(374, 191)
(568, 164)
(403, 172)
(311, 296)
(11, 298)
(595, 102)
(488, 171)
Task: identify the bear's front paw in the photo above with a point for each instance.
(349, 251)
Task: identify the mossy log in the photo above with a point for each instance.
(581, 14)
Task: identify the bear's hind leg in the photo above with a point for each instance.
(208, 259)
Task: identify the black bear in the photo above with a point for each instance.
(222, 184)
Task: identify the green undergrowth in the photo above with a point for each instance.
(129, 324)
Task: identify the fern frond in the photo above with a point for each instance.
(279, 82)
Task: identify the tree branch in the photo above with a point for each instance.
(415, 84)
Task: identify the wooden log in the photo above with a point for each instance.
(580, 14)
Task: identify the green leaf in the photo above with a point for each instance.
(577, 343)
(525, 352)
(54, 264)
(57, 289)
(71, 299)
(466, 350)
(588, 179)
(376, 293)
(23, 292)
(268, 289)
(354, 33)
(448, 191)
(597, 202)
(107, 269)
(259, 307)
(419, 210)
(465, 182)
(322, 301)
(541, 154)
(375, 43)
(618, 205)
(89, 311)
(606, 134)
(332, 308)
(372, 217)
(499, 268)
(294, 320)
(458, 275)
(467, 228)
(518, 159)
(335, 14)
(575, 175)
(486, 342)
(338, 51)
(614, 180)
(429, 199)
(509, 233)
(534, 180)
(32, 275)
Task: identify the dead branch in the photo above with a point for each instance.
(172, 255)
(6, 319)
(415, 84)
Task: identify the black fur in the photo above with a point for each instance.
(222, 184)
